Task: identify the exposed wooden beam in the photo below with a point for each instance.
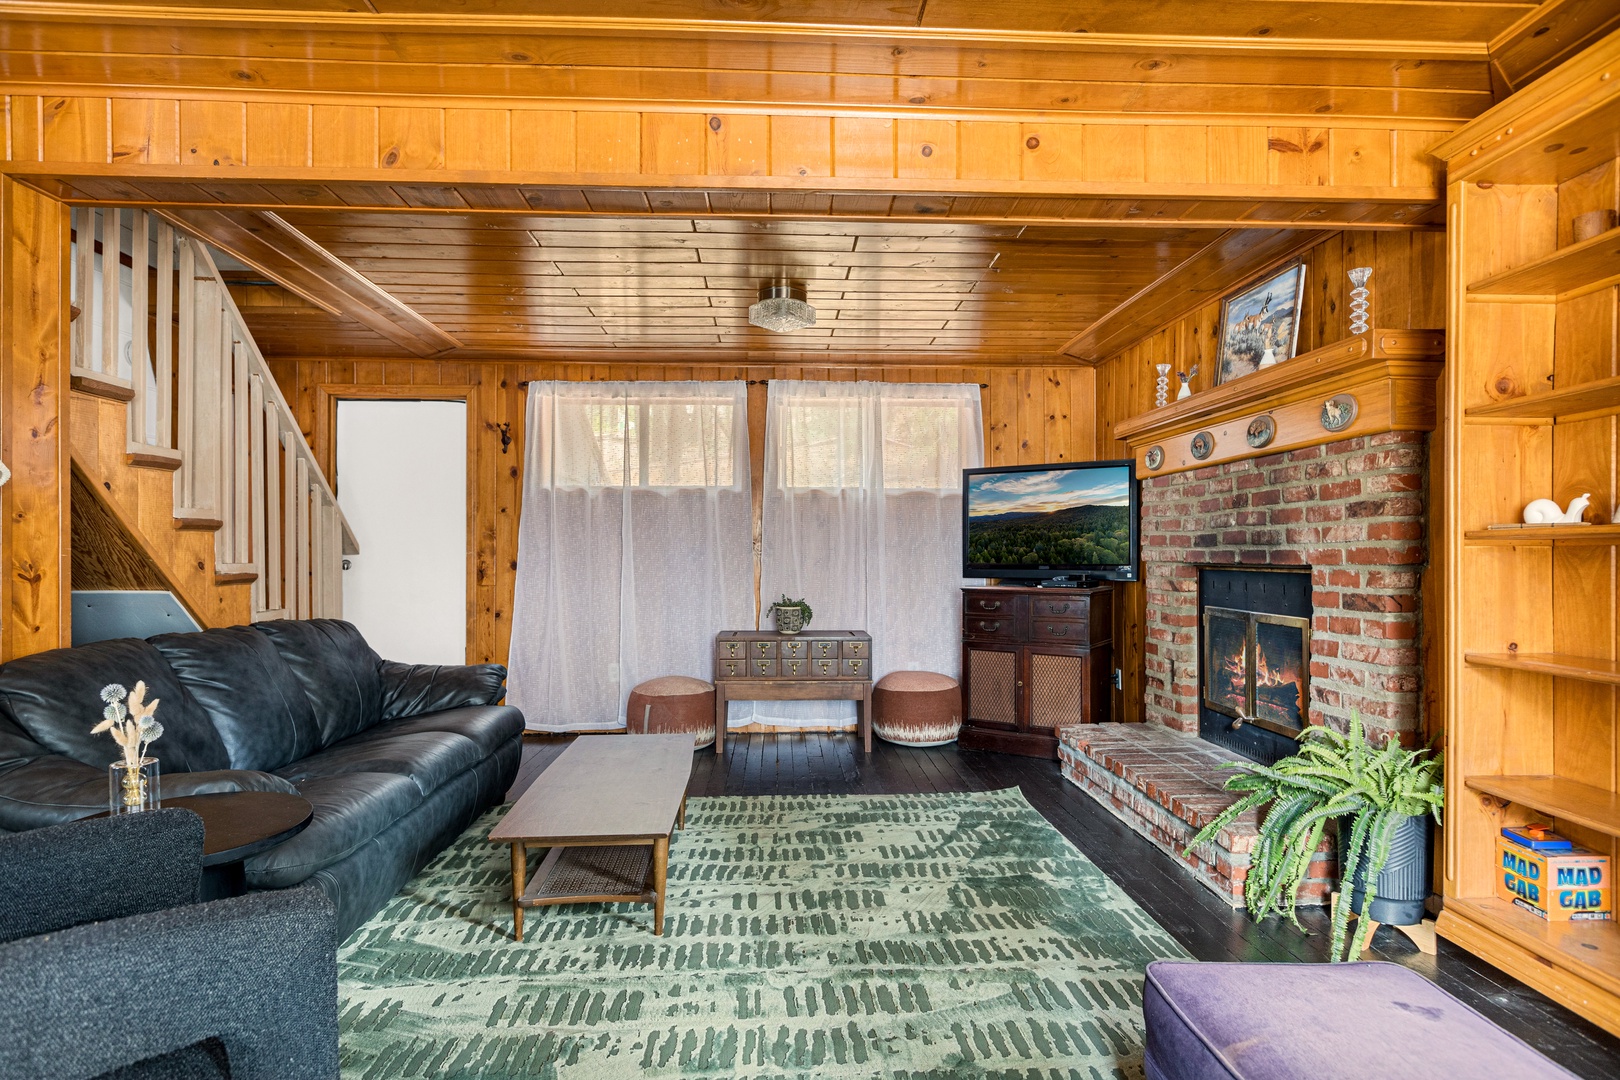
(1546, 37)
(273, 247)
(1223, 266)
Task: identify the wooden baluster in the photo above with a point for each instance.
(194, 328)
(272, 508)
(301, 548)
(256, 473)
(165, 335)
(139, 259)
(239, 452)
(289, 525)
(112, 238)
(84, 344)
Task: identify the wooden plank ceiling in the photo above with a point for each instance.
(1341, 58)
(530, 285)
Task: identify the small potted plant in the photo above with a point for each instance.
(1379, 796)
(791, 615)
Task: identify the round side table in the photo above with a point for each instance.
(236, 825)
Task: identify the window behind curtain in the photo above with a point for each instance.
(635, 544)
(862, 518)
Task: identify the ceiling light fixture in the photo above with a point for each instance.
(782, 308)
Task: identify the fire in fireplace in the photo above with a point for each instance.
(1255, 677)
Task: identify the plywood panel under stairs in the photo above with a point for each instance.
(141, 501)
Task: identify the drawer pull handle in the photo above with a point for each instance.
(763, 664)
(855, 666)
(1058, 609)
(731, 648)
(989, 627)
(1063, 632)
(989, 605)
(826, 666)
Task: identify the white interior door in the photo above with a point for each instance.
(402, 483)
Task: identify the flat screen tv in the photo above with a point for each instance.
(1056, 524)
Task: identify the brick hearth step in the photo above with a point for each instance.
(1166, 786)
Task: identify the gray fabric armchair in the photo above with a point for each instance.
(114, 971)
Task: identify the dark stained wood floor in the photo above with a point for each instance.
(1207, 928)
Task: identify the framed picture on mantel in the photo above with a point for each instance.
(1260, 325)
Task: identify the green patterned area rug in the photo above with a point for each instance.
(806, 936)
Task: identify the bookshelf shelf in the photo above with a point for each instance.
(1567, 800)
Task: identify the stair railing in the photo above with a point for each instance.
(202, 402)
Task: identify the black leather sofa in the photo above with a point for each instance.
(397, 759)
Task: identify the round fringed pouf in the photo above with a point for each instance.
(917, 708)
(678, 703)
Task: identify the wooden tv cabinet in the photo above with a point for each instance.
(1033, 660)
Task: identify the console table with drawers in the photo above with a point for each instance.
(816, 665)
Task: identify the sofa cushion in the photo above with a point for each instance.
(489, 726)
(1223, 1021)
(261, 712)
(337, 670)
(430, 758)
(413, 689)
(55, 697)
(349, 809)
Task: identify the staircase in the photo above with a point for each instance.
(179, 430)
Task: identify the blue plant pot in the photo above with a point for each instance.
(1403, 886)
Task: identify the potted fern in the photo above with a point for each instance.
(1374, 793)
(791, 615)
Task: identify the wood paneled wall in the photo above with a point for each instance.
(1408, 291)
(34, 590)
(1031, 415)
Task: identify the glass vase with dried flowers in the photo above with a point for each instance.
(132, 784)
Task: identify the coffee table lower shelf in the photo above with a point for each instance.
(615, 874)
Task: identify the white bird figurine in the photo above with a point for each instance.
(1546, 512)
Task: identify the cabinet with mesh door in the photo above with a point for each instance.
(1034, 660)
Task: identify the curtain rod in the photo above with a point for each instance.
(523, 384)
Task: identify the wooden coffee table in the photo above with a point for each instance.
(606, 808)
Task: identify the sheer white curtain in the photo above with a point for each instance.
(634, 546)
(863, 519)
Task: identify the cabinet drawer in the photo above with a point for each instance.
(730, 669)
(793, 650)
(762, 668)
(857, 648)
(793, 669)
(824, 668)
(1057, 631)
(823, 649)
(855, 667)
(980, 604)
(1061, 609)
(989, 627)
(762, 650)
(730, 650)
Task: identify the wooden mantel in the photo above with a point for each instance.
(1390, 373)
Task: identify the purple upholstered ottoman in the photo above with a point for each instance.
(1321, 1021)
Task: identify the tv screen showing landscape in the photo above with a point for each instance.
(1057, 518)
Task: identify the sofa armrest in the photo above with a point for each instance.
(53, 789)
(257, 972)
(414, 689)
(98, 869)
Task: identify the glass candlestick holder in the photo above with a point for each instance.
(1161, 388)
(1360, 300)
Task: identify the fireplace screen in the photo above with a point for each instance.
(1257, 668)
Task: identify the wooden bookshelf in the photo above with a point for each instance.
(1571, 534)
(1527, 627)
(1584, 668)
(1582, 401)
(1568, 272)
(1567, 800)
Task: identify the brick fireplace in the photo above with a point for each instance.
(1326, 536)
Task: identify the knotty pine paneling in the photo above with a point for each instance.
(1031, 415)
(1408, 291)
(1383, 159)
